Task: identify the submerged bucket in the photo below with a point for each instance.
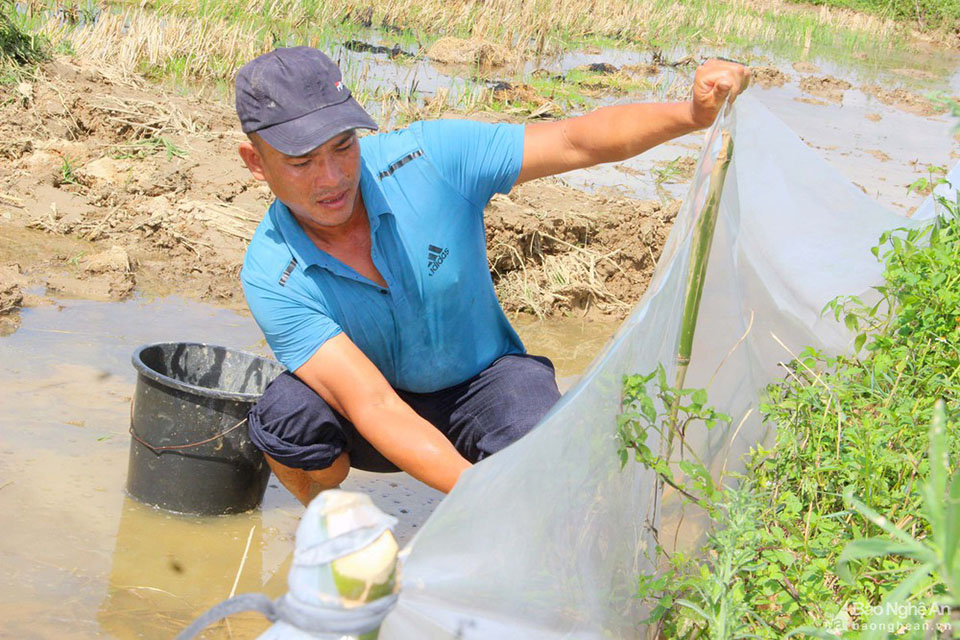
(189, 448)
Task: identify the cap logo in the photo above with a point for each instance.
(338, 85)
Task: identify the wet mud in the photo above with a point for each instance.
(826, 87)
(153, 187)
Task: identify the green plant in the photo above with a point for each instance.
(847, 425)
(67, 173)
(16, 45)
(147, 147)
(663, 411)
(937, 556)
(926, 185)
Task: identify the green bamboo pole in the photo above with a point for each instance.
(699, 256)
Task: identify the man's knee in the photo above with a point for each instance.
(306, 484)
(527, 385)
(522, 392)
(295, 427)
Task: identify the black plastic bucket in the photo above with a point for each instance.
(189, 448)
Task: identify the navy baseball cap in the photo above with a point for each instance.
(295, 100)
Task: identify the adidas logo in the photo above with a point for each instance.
(435, 258)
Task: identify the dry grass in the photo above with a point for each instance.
(207, 39)
(542, 24)
(557, 282)
(136, 40)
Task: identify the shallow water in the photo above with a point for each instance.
(841, 133)
(78, 558)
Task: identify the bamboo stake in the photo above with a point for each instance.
(700, 255)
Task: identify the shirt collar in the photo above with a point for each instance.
(302, 247)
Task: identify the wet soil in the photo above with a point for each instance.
(826, 87)
(556, 250)
(149, 191)
(767, 77)
(903, 99)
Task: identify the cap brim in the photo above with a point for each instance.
(306, 133)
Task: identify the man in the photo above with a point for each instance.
(369, 276)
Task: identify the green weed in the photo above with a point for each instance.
(17, 45)
(928, 14)
(148, 147)
(846, 515)
(926, 184)
(67, 173)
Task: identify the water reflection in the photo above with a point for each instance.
(168, 569)
(78, 558)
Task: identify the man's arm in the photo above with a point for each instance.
(611, 134)
(350, 383)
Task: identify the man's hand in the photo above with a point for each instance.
(714, 81)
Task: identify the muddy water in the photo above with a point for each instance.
(879, 147)
(78, 558)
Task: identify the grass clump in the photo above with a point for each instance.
(19, 49)
(849, 525)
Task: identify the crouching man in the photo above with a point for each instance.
(369, 278)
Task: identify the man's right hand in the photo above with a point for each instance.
(350, 383)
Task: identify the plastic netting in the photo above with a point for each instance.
(547, 538)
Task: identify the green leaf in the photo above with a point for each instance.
(951, 530)
(851, 321)
(858, 342)
(699, 397)
(867, 548)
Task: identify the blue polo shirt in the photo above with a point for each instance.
(438, 322)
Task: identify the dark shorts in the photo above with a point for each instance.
(293, 425)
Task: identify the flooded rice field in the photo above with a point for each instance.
(874, 118)
(78, 558)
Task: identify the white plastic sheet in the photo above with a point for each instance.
(547, 538)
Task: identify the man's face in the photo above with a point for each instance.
(320, 188)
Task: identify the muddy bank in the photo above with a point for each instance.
(112, 184)
(553, 249)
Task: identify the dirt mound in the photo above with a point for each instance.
(902, 99)
(11, 298)
(642, 69)
(114, 160)
(450, 50)
(554, 249)
(805, 67)
(827, 87)
(767, 77)
(598, 67)
(115, 268)
(523, 95)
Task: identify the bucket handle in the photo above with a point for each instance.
(175, 447)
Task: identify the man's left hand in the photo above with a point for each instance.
(714, 81)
